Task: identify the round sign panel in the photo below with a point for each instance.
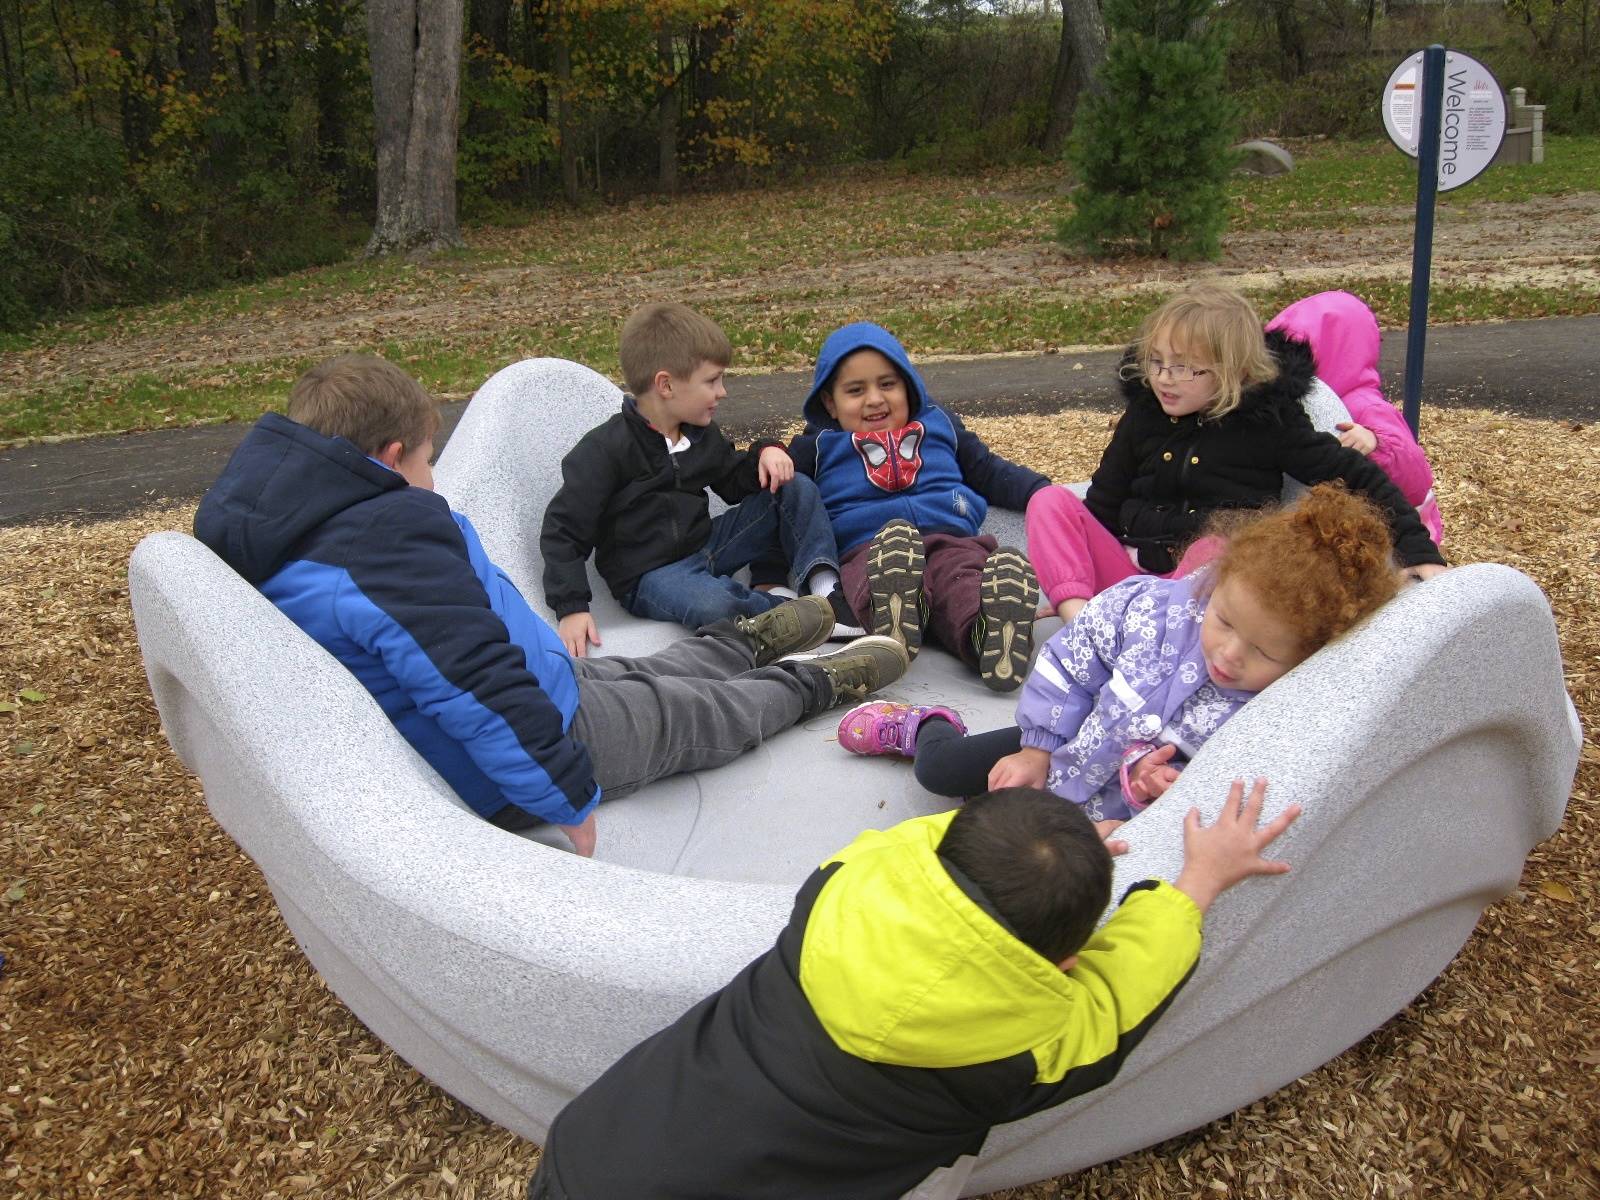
(1472, 123)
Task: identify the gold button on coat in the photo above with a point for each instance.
(1167, 457)
(1194, 460)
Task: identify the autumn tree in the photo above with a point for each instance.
(415, 48)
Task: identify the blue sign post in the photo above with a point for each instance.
(1422, 241)
(1447, 110)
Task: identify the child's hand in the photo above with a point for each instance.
(1356, 437)
(1420, 572)
(578, 632)
(774, 468)
(582, 836)
(1151, 775)
(1105, 829)
(1217, 856)
(1026, 768)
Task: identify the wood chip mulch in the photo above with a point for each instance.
(161, 1036)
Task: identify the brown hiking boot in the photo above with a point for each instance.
(791, 628)
(861, 667)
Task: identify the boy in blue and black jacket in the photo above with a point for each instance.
(330, 512)
(907, 486)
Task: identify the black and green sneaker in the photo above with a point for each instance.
(894, 580)
(1008, 597)
(791, 628)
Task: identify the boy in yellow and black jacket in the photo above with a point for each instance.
(935, 979)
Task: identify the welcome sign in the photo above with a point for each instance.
(1472, 123)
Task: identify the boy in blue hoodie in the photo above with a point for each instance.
(331, 513)
(907, 487)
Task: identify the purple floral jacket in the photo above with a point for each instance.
(1128, 670)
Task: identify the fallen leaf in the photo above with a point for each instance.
(31, 696)
(1557, 891)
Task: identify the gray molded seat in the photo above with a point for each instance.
(512, 973)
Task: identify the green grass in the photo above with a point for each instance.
(1331, 179)
(1013, 322)
(585, 270)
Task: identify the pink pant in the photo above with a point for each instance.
(1076, 557)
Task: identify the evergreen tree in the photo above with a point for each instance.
(1151, 145)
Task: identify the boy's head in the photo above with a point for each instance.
(673, 359)
(864, 381)
(1039, 861)
(374, 404)
(867, 393)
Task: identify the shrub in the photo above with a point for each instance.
(1151, 147)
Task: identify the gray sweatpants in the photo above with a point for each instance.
(699, 703)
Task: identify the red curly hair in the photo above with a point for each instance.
(1320, 566)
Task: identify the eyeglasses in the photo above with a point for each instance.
(1177, 372)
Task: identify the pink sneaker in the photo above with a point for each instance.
(883, 727)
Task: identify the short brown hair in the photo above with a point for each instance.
(672, 338)
(366, 400)
(1216, 323)
(1320, 566)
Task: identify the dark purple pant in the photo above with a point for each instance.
(951, 574)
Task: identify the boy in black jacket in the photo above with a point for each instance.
(633, 491)
(935, 979)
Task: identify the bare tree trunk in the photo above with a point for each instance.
(564, 131)
(667, 108)
(1083, 50)
(1291, 41)
(416, 64)
(196, 22)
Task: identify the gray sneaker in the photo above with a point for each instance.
(863, 666)
(791, 628)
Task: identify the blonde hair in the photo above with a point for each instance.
(672, 338)
(1320, 566)
(366, 400)
(1214, 322)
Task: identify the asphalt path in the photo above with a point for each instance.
(1546, 369)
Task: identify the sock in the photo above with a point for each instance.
(823, 581)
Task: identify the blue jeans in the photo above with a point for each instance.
(699, 589)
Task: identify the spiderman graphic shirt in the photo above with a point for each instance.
(893, 456)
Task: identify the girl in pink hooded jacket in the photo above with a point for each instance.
(1344, 339)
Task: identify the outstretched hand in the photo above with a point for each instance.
(1219, 855)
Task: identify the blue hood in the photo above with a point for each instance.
(840, 345)
(283, 481)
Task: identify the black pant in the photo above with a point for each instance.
(949, 764)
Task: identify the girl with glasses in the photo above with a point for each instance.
(1214, 420)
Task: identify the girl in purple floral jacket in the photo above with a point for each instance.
(1123, 696)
